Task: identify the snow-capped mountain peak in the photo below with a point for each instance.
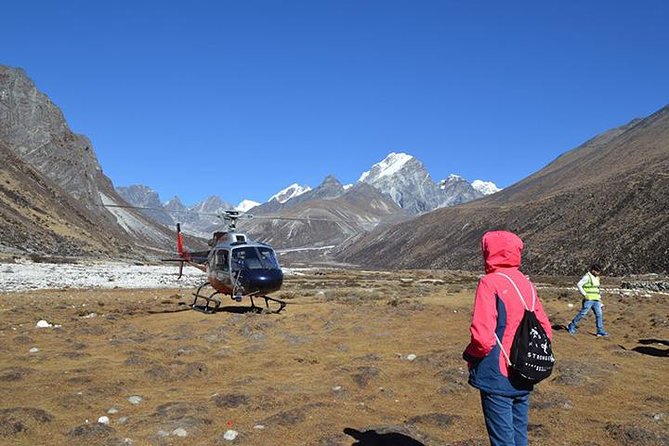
(451, 178)
(291, 191)
(246, 205)
(390, 165)
(485, 187)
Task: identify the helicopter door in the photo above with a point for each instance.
(219, 263)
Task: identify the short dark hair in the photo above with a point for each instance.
(596, 267)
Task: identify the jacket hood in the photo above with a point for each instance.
(501, 249)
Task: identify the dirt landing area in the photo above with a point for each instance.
(356, 358)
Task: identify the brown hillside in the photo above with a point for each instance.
(39, 218)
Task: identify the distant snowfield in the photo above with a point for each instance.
(36, 276)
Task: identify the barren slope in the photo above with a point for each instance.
(334, 369)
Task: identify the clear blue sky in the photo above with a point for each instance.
(242, 98)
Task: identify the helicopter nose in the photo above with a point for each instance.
(264, 281)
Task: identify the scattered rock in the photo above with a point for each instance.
(135, 399)
(180, 432)
(230, 435)
(103, 419)
(43, 324)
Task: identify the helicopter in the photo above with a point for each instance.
(235, 265)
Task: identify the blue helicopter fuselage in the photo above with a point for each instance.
(239, 266)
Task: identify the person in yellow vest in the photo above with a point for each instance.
(588, 286)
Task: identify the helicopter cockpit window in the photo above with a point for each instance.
(268, 258)
(245, 258)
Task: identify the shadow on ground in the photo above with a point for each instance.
(653, 351)
(373, 438)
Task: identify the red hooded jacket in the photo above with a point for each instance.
(498, 310)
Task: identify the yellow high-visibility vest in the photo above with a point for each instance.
(591, 287)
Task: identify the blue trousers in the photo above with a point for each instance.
(506, 418)
(585, 309)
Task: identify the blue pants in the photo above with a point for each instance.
(506, 418)
(585, 309)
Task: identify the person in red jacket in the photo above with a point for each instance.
(498, 311)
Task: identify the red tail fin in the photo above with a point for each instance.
(183, 253)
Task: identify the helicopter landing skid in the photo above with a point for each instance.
(281, 303)
(206, 308)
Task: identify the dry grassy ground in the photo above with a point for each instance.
(331, 370)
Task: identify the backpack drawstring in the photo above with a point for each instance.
(508, 361)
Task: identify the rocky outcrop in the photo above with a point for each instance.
(55, 187)
(35, 129)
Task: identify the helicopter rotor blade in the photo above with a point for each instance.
(169, 211)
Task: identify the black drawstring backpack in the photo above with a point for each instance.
(531, 359)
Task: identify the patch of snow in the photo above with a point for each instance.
(347, 186)
(246, 205)
(389, 166)
(485, 187)
(291, 191)
(452, 178)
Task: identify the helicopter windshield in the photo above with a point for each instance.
(268, 258)
(250, 257)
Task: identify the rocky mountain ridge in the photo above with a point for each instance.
(399, 176)
(44, 158)
(604, 201)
